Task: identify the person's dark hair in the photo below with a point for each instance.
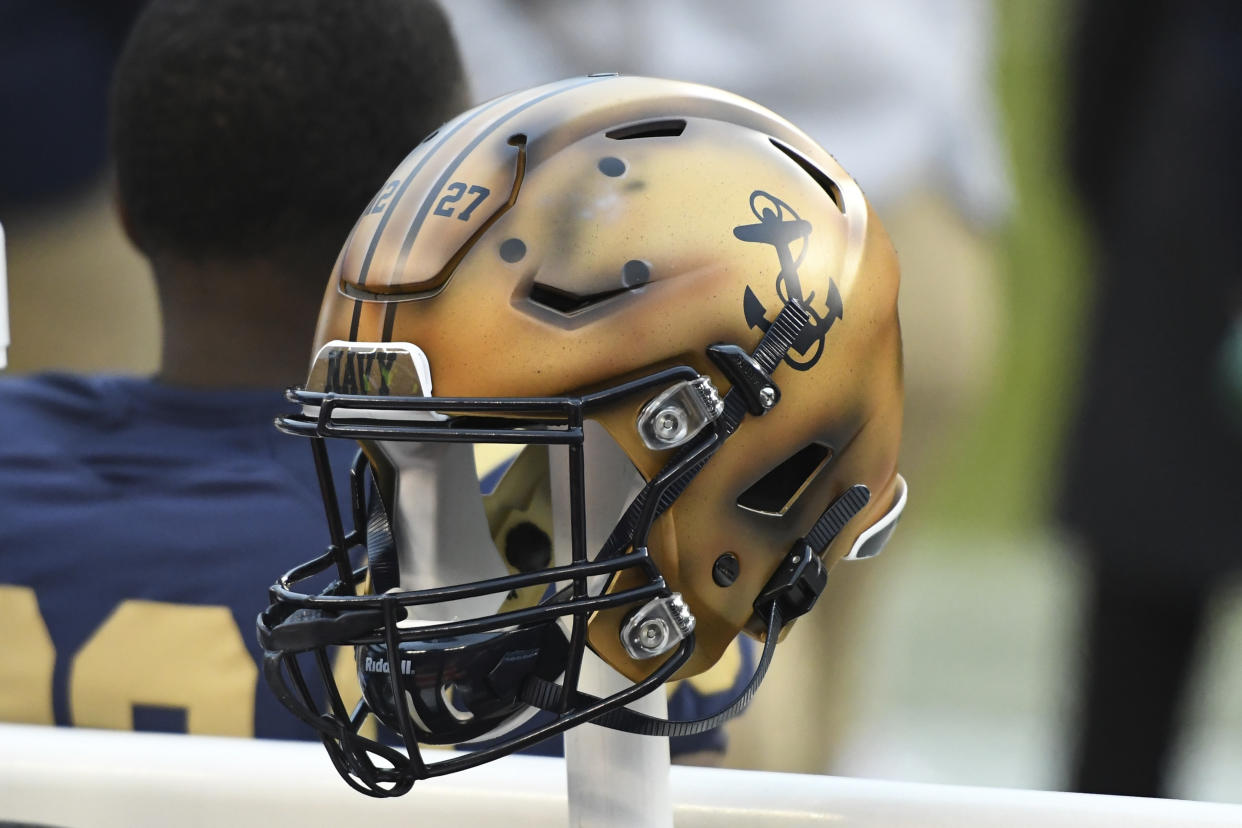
(251, 128)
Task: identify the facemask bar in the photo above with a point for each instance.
(791, 591)
(339, 616)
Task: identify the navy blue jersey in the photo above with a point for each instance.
(140, 525)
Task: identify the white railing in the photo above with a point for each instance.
(69, 778)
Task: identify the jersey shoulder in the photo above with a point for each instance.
(26, 402)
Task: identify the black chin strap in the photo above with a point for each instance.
(545, 695)
(797, 582)
(791, 591)
(748, 373)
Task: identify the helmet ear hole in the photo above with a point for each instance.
(778, 490)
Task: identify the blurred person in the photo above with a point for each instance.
(56, 59)
(1151, 474)
(917, 127)
(70, 47)
(248, 135)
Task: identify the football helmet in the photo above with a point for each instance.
(673, 317)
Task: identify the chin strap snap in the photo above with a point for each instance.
(801, 577)
(545, 696)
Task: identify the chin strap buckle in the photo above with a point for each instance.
(796, 584)
(798, 581)
(751, 380)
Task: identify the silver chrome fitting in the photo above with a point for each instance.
(678, 413)
(657, 627)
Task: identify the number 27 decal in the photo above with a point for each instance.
(454, 193)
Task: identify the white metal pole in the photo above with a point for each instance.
(616, 779)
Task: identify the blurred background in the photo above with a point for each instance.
(966, 643)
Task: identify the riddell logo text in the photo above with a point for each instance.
(380, 665)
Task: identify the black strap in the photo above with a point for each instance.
(791, 591)
(780, 335)
(545, 695)
(834, 518)
(772, 348)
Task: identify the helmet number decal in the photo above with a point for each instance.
(780, 226)
(385, 195)
(454, 193)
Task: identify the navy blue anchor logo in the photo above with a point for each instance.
(780, 226)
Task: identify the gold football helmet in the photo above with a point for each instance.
(677, 317)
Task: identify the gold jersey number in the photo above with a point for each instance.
(144, 653)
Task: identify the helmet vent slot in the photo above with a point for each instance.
(667, 128)
(570, 304)
(779, 489)
(821, 178)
